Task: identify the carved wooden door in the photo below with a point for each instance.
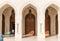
(29, 23)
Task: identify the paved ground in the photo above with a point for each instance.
(53, 38)
(9, 39)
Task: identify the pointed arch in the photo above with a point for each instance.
(52, 11)
(53, 6)
(25, 13)
(8, 11)
(28, 7)
(6, 5)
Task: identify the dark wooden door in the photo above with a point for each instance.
(29, 23)
(3, 24)
(56, 24)
(47, 24)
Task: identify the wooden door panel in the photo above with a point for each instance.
(29, 23)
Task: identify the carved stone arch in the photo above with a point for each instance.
(5, 6)
(30, 6)
(53, 5)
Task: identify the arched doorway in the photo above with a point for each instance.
(3, 24)
(56, 24)
(47, 24)
(12, 22)
(30, 24)
(7, 15)
(29, 21)
(52, 21)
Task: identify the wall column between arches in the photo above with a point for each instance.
(18, 25)
(38, 24)
(59, 23)
(41, 25)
